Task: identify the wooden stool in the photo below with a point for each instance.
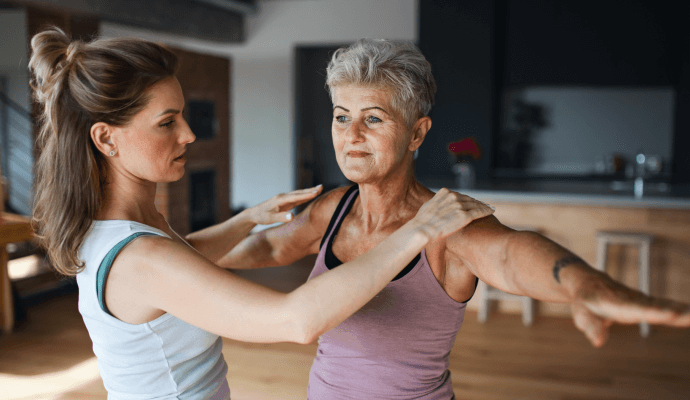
(643, 242)
(491, 293)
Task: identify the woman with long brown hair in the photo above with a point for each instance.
(155, 304)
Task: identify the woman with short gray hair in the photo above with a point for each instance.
(383, 64)
(397, 345)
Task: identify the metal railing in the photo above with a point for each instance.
(16, 142)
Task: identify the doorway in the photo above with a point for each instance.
(316, 163)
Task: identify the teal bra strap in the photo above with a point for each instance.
(104, 268)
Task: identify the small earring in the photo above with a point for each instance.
(112, 153)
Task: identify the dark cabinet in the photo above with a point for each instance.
(612, 43)
(457, 38)
(479, 50)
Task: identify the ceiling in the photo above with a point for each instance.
(215, 20)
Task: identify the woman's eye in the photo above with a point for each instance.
(374, 120)
(341, 119)
(167, 124)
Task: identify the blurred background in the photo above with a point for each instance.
(571, 117)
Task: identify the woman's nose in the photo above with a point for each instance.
(354, 132)
(187, 136)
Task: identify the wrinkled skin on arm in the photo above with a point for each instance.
(528, 264)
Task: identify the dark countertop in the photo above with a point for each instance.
(596, 193)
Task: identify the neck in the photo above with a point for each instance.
(130, 199)
(392, 200)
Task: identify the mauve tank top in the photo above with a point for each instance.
(397, 345)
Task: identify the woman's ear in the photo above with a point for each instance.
(102, 136)
(419, 131)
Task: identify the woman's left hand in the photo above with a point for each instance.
(604, 301)
(277, 208)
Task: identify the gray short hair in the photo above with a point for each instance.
(397, 66)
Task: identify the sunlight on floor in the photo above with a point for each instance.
(26, 266)
(51, 385)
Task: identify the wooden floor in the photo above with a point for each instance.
(50, 357)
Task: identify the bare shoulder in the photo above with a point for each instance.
(146, 248)
(321, 210)
(145, 270)
(479, 232)
(302, 236)
(482, 242)
(148, 257)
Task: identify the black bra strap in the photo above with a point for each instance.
(337, 213)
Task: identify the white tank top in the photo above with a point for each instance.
(166, 358)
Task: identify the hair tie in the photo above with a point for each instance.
(72, 51)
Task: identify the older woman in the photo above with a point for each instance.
(155, 303)
(397, 345)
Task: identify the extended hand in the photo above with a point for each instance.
(448, 212)
(603, 301)
(277, 208)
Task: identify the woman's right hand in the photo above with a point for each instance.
(277, 208)
(448, 212)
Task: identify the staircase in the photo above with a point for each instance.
(16, 152)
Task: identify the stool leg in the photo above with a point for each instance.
(643, 262)
(527, 311)
(601, 254)
(483, 307)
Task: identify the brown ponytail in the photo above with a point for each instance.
(77, 85)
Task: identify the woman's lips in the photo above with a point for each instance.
(357, 154)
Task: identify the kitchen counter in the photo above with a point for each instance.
(571, 213)
(606, 194)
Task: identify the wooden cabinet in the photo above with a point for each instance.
(13, 228)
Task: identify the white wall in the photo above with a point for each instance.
(262, 100)
(587, 124)
(14, 53)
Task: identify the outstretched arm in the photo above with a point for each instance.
(528, 264)
(165, 275)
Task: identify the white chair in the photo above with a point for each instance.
(491, 293)
(643, 242)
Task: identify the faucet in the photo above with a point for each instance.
(640, 171)
(465, 176)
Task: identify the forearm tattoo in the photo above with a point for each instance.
(562, 263)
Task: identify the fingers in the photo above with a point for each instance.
(287, 201)
(467, 201)
(276, 209)
(659, 311)
(478, 213)
(474, 208)
(448, 212)
(627, 306)
(595, 328)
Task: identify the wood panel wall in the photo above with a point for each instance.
(202, 77)
(575, 227)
